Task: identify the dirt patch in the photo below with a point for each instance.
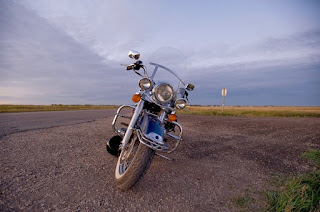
(220, 160)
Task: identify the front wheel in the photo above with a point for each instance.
(133, 163)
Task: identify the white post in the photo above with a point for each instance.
(223, 93)
(223, 103)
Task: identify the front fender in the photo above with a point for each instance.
(152, 128)
(151, 132)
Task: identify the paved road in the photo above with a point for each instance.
(19, 122)
(57, 161)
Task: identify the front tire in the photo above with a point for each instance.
(132, 164)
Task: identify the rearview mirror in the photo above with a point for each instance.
(190, 87)
(134, 54)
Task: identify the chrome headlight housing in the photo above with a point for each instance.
(145, 83)
(180, 103)
(163, 93)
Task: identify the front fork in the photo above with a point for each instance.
(132, 123)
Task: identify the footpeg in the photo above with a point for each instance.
(165, 157)
(122, 131)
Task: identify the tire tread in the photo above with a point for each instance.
(138, 167)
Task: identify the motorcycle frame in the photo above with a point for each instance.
(132, 123)
(138, 109)
(140, 134)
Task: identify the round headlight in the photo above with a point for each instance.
(145, 83)
(180, 103)
(163, 93)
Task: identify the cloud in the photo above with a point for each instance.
(69, 52)
(41, 64)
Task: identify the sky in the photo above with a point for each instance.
(69, 52)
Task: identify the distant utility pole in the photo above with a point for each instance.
(224, 93)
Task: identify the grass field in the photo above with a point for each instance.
(300, 193)
(35, 108)
(260, 111)
(292, 193)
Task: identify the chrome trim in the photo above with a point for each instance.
(141, 87)
(155, 115)
(148, 98)
(134, 54)
(156, 146)
(165, 157)
(133, 122)
(189, 87)
(175, 103)
(178, 138)
(150, 143)
(156, 92)
(117, 115)
(162, 116)
(145, 71)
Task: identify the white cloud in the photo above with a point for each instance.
(51, 54)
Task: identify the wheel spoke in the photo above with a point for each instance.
(121, 168)
(127, 154)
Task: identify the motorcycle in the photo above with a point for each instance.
(150, 126)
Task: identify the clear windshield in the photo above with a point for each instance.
(167, 65)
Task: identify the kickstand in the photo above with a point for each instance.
(163, 156)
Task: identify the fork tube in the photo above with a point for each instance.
(162, 116)
(132, 124)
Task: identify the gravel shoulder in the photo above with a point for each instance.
(66, 167)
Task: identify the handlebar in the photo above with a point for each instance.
(136, 67)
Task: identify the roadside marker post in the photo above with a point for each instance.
(224, 93)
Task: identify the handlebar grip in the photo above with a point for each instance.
(130, 67)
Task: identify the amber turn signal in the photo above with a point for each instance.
(136, 98)
(172, 117)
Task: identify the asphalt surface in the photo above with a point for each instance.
(56, 161)
(19, 122)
